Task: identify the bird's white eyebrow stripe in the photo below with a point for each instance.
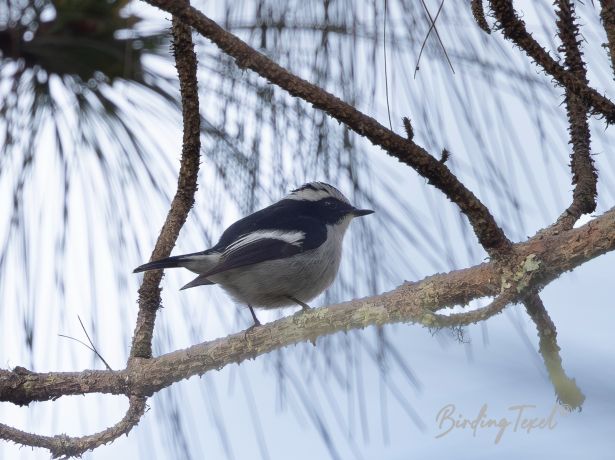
(315, 191)
(309, 195)
(290, 236)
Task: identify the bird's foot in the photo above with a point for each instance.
(250, 329)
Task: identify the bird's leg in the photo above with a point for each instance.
(303, 305)
(256, 321)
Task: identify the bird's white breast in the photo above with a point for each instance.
(303, 276)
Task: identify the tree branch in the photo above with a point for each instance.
(479, 15)
(538, 261)
(607, 14)
(514, 30)
(489, 234)
(566, 389)
(149, 293)
(480, 314)
(64, 446)
(584, 175)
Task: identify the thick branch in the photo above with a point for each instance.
(514, 30)
(537, 262)
(607, 14)
(149, 293)
(491, 237)
(584, 175)
(64, 446)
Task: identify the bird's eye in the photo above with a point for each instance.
(330, 203)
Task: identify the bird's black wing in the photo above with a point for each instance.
(269, 239)
(285, 215)
(253, 253)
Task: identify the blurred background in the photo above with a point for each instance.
(90, 128)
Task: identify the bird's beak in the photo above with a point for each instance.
(361, 212)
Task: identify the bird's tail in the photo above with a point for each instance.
(169, 262)
(186, 260)
(198, 281)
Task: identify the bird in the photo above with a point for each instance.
(287, 253)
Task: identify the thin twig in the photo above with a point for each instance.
(386, 73)
(474, 316)
(445, 155)
(80, 341)
(91, 347)
(566, 389)
(408, 128)
(432, 27)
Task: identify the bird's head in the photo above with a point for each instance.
(327, 203)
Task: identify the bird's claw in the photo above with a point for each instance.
(256, 324)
